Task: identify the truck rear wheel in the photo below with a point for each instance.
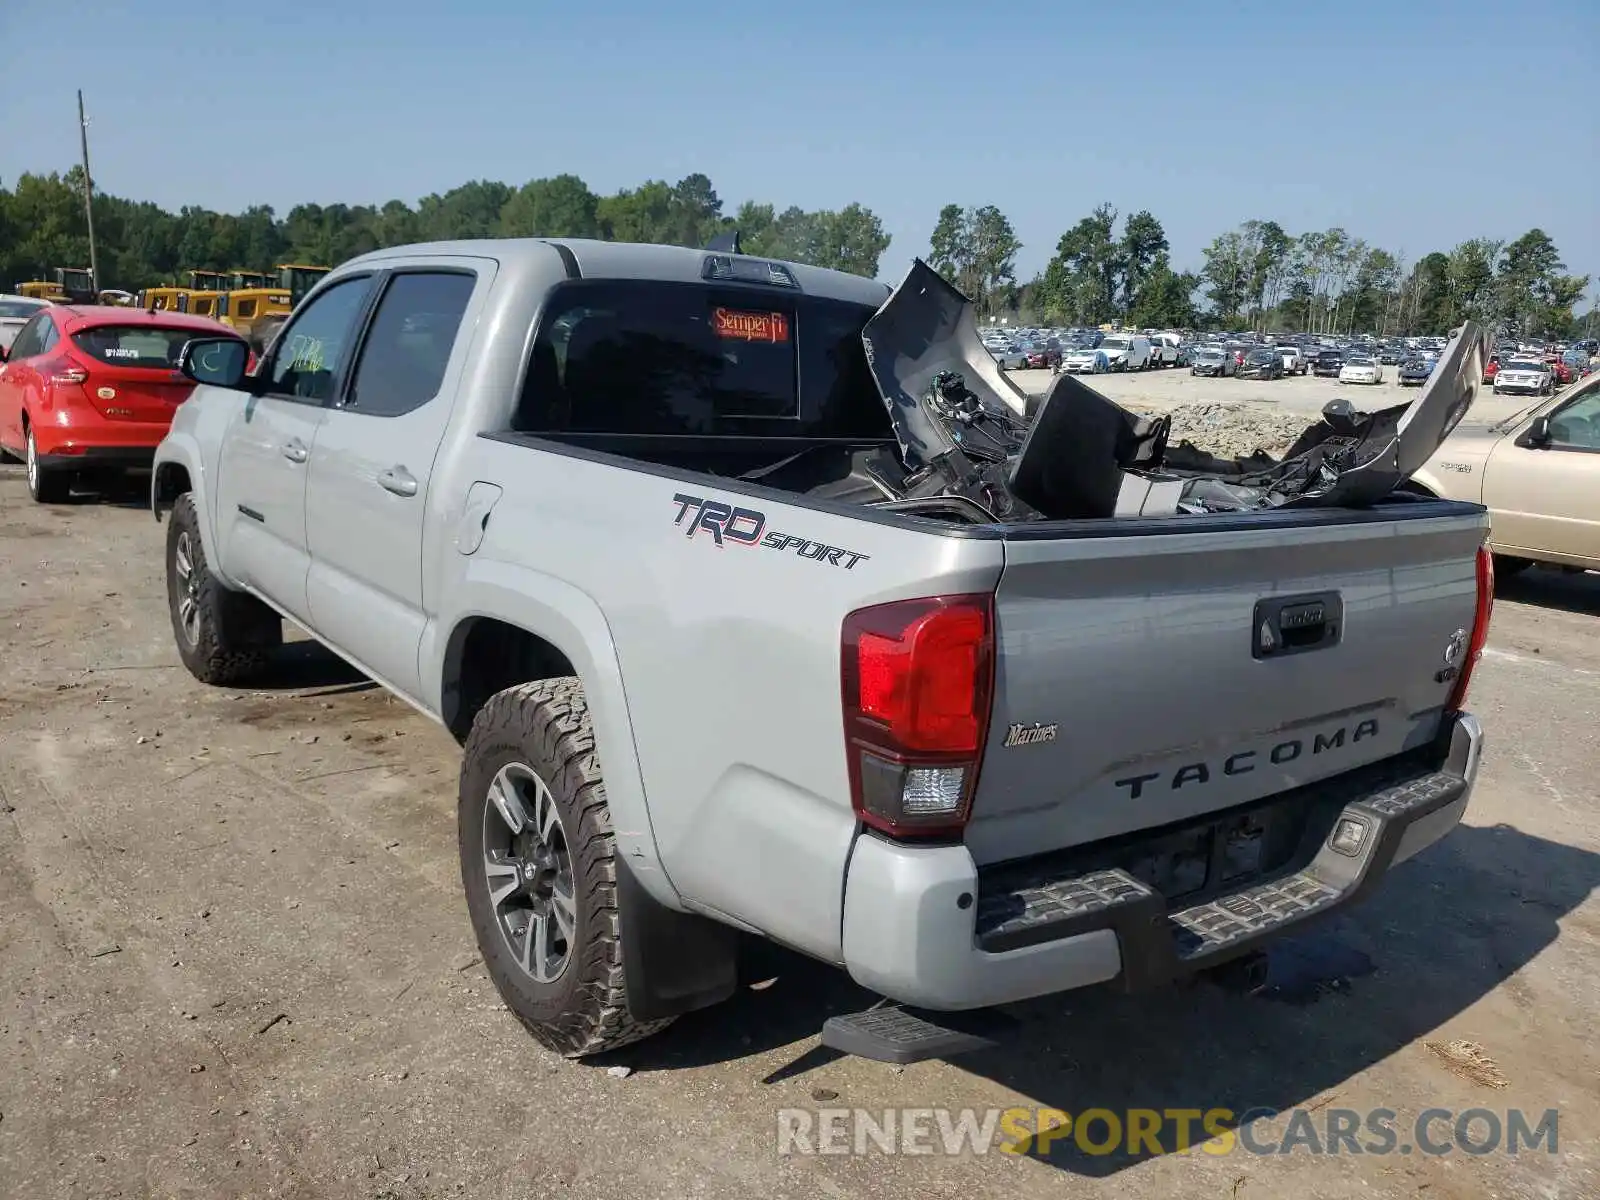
(539, 868)
(222, 635)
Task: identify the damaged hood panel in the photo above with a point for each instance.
(963, 434)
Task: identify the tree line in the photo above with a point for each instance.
(1260, 276)
(140, 244)
(1107, 267)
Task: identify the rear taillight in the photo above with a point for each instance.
(918, 680)
(1480, 629)
(64, 371)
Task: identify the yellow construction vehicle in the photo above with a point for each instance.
(164, 299)
(208, 294)
(274, 296)
(72, 285)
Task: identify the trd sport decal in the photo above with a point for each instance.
(726, 525)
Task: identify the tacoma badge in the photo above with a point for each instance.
(1027, 735)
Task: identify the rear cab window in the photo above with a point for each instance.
(637, 357)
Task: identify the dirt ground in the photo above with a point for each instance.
(1306, 394)
(234, 959)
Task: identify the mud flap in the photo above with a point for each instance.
(674, 962)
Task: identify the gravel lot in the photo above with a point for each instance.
(1230, 416)
(234, 960)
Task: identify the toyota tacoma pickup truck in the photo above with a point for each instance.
(762, 603)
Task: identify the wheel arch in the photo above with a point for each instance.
(179, 468)
(505, 620)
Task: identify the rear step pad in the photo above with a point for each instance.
(892, 1034)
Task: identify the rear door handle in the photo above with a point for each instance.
(399, 481)
(295, 450)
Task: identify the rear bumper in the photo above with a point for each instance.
(88, 445)
(91, 458)
(922, 927)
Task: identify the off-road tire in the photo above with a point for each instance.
(220, 655)
(545, 726)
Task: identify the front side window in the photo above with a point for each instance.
(646, 357)
(1578, 423)
(311, 356)
(413, 332)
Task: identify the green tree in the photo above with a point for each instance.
(1143, 242)
(562, 206)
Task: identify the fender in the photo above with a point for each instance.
(182, 448)
(570, 620)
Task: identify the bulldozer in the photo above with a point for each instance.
(71, 285)
(208, 294)
(258, 297)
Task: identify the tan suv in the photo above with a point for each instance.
(1538, 473)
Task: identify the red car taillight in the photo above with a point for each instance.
(1480, 629)
(61, 370)
(917, 678)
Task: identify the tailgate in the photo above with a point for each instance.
(1135, 685)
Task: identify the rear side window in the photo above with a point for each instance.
(645, 357)
(150, 346)
(408, 347)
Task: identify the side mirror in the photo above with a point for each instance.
(1537, 436)
(218, 361)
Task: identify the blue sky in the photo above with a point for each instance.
(1412, 123)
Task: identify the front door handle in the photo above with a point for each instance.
(295, 450)
(399, 481)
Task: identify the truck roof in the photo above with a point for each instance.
(635, 260)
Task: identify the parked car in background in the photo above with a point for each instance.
(1524, 377)
(1164, 349)
(1563, 374)
(1327, 363)
(1046, 353)
(1294, 360)
(92, 389)
(1009, 356)
(1261, 363)
(15, 312)
(1414, 372)
(1212, 360)
(1537, 472)
(1361, 369)
(1126, 352)
(1086, 360)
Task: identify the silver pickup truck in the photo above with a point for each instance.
(662, 536)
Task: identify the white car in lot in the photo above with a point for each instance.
(1525, 376)
(1164, 349)
(1361, 369)
(1295, 361)
(1127, 352)
(1086, 360)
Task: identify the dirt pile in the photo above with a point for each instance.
(1229, 430)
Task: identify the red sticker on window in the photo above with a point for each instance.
(750, 326)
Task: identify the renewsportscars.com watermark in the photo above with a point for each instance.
(1137, 1132)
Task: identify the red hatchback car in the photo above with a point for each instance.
(86, 389)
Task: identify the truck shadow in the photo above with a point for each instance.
(1444, 931)
(306, 665)
(1548, 588)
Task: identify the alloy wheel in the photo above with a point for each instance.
(528, 869)
(189, 588)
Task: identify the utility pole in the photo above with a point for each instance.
(88, 195)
